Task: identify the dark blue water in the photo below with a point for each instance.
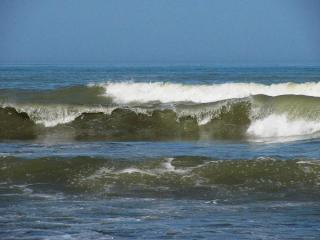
(33, 206)
(54, 76)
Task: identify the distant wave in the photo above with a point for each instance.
(126, 92)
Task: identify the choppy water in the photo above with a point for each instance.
(152, 152)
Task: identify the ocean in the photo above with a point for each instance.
(159, 152)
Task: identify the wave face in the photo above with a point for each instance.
(190, 177)
(133, 111)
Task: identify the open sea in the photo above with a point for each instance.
(159, 152)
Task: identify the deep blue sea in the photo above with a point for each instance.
(159, 152)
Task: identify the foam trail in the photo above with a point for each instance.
(126, 92)
(276, 125)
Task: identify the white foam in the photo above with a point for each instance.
(309, 162)
(168, 167)
(275, 125)
(134, 170)
(126, 92)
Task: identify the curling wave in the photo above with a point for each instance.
(172, 114)
(257, 117)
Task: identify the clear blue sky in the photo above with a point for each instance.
(160, 31)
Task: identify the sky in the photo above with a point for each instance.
(160, 31)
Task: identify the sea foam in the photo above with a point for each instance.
(274, 126)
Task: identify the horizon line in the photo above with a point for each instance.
(174, 63)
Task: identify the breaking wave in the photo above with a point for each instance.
(164, 111)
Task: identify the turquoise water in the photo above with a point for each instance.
(159, 152)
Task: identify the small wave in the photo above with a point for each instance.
(191, 177)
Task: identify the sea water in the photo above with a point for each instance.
(159, 152)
